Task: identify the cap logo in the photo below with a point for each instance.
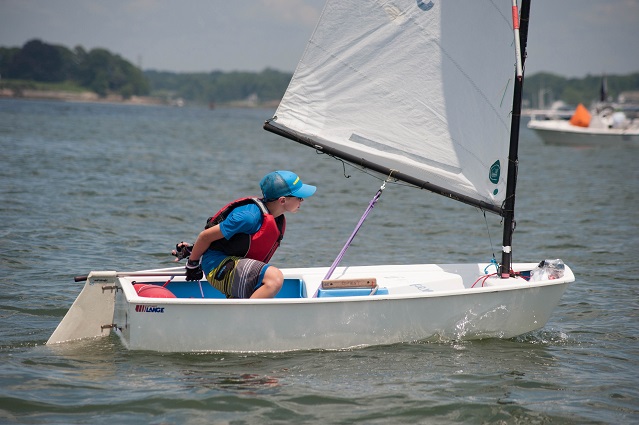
(296, 180)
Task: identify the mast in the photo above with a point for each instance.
(603, 91)
(513, 153)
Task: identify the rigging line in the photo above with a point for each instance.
(504, 92)
(363, 170)
(388, 179)
(344, 170)
(396, 182)
(490, 239)
(343, 167)
(357, 227)
(318, 151)
(493, 261)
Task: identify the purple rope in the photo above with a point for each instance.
(348, 242)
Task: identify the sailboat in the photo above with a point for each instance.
(422, 92)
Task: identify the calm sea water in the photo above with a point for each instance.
(113, 187)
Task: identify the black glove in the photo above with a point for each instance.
(193, 270)
(182, 250)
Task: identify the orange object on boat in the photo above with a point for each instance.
(153, 291)
(581, 117)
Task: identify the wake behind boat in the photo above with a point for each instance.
(406, 89)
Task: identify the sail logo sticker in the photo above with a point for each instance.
(148, 309)
(425, 6)
(495, 171)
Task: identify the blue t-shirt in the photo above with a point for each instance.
(245, 219)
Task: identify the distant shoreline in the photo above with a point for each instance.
(85, 96)
(91, 97)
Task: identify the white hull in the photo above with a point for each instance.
(422, 302)
(561, 132)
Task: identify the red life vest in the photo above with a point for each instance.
(259, 246)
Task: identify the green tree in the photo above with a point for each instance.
(542, 88)
(105, 73)
(39, 62)
(98, 70)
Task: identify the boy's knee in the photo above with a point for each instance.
(273, 277)
(271, 284)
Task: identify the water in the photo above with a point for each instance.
(112, 187)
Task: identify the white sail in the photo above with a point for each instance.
(421, 87)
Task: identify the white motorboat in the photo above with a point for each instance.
(605, 125)
(602, 132)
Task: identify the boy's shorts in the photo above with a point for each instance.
(237, 277)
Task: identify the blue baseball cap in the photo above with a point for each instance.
(284, 183)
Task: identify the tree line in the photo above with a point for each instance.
(541, 89)
(104, 73)
(220, 87)
(97, 70)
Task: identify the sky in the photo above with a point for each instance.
(571, 38)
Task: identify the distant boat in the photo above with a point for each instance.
(605, 125)
(558, 110)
